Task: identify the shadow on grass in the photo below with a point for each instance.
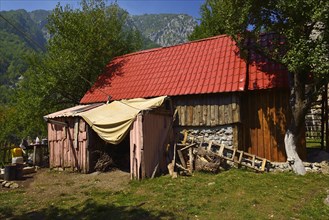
(90, 210)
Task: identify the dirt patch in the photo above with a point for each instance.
(23, 183)
(115, 180)
(45, 183)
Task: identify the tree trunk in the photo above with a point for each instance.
(292, 156)
(299, 105)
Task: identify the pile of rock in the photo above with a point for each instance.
(322, 167)
(9, 184)
(221, 134)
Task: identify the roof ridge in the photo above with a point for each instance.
(162, 48)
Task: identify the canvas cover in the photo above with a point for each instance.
(112, 121)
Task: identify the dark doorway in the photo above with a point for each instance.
(107, 157)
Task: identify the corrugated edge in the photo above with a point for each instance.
(69, 112)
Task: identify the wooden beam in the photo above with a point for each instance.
(57, 122)
(191, 159)
(188, 146)
(181, 157)
(326, 118)
(180, 166)
(76, 133)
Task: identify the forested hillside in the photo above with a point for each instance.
(31, 75)
(15, 47)
(156, 29)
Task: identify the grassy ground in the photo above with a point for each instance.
(313, 143)
(234, 194)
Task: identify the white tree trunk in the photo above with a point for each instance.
(295, 162)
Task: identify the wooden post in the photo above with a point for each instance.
(322, 119)
(133, 170)
(326, 118)
(191, 159)
(181, 157)
(4, 153)
(143, 172)
(34, 154)
(87, 150)
(76, 133)
(209, 146)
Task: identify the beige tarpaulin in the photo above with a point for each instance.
(112, 121)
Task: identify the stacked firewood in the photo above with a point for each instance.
(194, 156)
(207, 161)
(212, 157)
(104, 163)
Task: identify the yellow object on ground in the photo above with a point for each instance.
(16, 152)
(112, 121)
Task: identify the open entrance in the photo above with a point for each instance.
(107, 157)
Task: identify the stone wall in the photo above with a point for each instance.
(322, 167)
(220, 134)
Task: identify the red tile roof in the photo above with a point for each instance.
(210, 65)
(264, 73)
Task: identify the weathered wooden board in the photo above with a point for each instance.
(264, 124)
(208, 110)
(61, 145)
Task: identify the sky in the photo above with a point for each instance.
(134, 7)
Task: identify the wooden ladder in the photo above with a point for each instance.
(243, 158)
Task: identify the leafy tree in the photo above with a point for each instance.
(15, 47)
(209, 23)
(83, 41)
(303, 24)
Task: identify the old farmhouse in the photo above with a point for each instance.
(217, 94)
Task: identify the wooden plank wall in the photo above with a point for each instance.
(62, 150)
(156, 129)
(265, 115)
(207, 110)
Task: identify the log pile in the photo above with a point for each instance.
(212, 157)
(104, 163)
(207, 161)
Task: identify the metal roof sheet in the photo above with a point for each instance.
(211, 65)
(69, 112)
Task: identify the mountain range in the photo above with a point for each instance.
(23, 32)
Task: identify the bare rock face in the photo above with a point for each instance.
(165, 29)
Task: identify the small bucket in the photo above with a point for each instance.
(10, 173)
(19, 171)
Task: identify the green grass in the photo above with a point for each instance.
(313, 143)
(234, 194)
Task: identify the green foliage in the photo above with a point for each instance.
(23, 22)
(302, 23)
(15, 47)
(209, 22)
(39, 16)
(300, 42)
(83, 41)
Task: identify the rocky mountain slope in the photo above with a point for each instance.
(165, 29)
